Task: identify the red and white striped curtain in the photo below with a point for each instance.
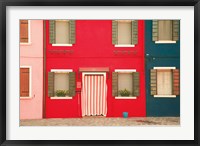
(94, 95)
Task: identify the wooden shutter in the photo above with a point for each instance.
(176, 24)
(52, 34)
(136, 83)
(24, 31)
(155, 30)
(24, 82)
(176, 82)
(50, 84)
(114, 32)
(134, 34)
(153, 82)
(114, 84)
(72, 31)
(72, 84)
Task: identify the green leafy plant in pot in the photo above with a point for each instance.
(124, 92)
(62, 93)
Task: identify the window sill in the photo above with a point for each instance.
(124, 45)
(61, 97)
(166, 96)
(124, 97)
(25, 44)
(24, 98)
(165, 42)
(61, 44)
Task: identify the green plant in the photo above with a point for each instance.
(62, 93)
(124, 92)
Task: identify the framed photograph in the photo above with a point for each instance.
(99, 72)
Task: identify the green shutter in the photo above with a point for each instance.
(153, 82)
(176, 24)
(72, 84)
(72, 31)
(52, 36)
(50, 84)
(176, 81)
(155, 30)
(136, 84)
(134, 36)
(114, 84)
(114, 32)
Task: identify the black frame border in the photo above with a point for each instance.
(5, 3)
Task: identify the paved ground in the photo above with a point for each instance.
(103, 121)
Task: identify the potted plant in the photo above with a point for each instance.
(62, 93)
(124, 92)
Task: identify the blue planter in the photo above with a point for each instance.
(125, 114)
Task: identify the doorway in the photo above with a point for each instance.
(94, 94)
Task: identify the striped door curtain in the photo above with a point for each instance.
(94, 95)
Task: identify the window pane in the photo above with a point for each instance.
(61, 81)
(24, 31)
(62, 32)
(125, 80)
(165, 30)
(164, 82)
(124, 33)
(24, 82)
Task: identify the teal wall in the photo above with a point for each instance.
(160, 55)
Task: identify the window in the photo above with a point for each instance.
(62, 32)
(61, 84)
(25, 82)
(124, 33)
(125, 84)
(165, 31)
(24, 31)
(165, 82)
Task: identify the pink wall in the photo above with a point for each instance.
(32, 55)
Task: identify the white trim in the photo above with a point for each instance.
(165, 42)
(93, 73)
(121, 97)
(124, 45)
(164, 68)
(61, 70)
(29, 35)
(165, 96)
(125, 70)
(30, 82)
(61, 44)
(61, 97)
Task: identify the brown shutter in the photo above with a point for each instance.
(153, 82)
(114, 32)
(72, 31)
(24, 31)
(134, 36)
(155, 30)
(114, 84)
(176, 82)
(176, 24)
(72, 84)
(136, 83)
(52, 29)
(24, 82)
(50, 84)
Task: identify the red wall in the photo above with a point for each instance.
(93, 48)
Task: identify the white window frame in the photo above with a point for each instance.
(61, 71)
(124, 45)
(30, 83)
(125, 71)
(167, 96)
(29, 35)
(69, 45)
